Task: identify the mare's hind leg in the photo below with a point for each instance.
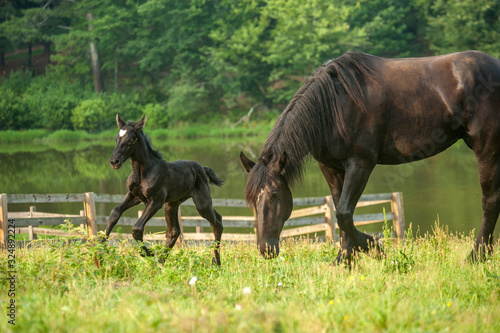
(489, 175)
(173, 227)
(203, 202)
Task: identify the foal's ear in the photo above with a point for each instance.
(279, 166)
(247, 163)
(119, 121)
(140, 124)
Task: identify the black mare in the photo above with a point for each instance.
(156, 182)
(360, 110)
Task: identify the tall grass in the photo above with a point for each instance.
(84, 287)
(178, 132)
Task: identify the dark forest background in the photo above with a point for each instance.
(68, 64)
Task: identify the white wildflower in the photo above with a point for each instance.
(193, 281)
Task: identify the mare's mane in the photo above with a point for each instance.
(314, 114)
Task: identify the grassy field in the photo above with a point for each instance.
(178, 132)
(420, 286)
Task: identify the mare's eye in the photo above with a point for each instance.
(130, 141)
(274, 195)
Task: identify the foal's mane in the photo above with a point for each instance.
(315, 112)
(156, 153)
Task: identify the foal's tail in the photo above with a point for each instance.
(212, 178)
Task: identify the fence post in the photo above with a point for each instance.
(330, 218)
(399, 215)
(31, 233)
(4, 220)
(90, 213)
(32, 211)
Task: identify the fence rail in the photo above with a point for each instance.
(318, 215)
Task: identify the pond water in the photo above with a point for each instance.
(444, 187)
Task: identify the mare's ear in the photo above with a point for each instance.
(140, 124)
(247, 163)
(119, 121)
(279, 166)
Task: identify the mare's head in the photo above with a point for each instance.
(126, 141)
(268, 192)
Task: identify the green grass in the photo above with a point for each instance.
(178, 132)
(422, 285)
(23, 136)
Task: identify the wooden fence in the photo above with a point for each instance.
(318, 216)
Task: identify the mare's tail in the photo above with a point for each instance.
(212, 178)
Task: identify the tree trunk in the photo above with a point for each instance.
(94, 57)
(29, 54)
(47, 50)
(2, 51)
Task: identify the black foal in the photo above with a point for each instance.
(156, 182)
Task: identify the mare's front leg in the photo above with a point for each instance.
(152, 206)
(335, 180)
(129, 201)
(356, 176)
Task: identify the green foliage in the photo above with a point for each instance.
(89, 115)
(155, 114)
(464, 25)
(12, 110)
(392, 28)
(189, 61)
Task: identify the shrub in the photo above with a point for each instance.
(90, 115)
(130, 107)
(13, 113)
(155, 114)
(50, 99)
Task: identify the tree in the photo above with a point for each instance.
(392, 27)
(464, 25)
(94, 58)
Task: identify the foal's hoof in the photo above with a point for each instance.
(145, 252)
(379, 249)
(344, 257)
(102, 239)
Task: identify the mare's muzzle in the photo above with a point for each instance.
(269, 249)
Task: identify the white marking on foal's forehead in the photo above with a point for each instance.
(122, 132)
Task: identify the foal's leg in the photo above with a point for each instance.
(152, 207)
(335, 180)
(129, 201)
(356, 177)
(173, 227)
(203, 202)
(489, 175)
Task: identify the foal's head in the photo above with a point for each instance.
(268, 192)
(126, 141)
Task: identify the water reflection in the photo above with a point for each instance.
(444, 186)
